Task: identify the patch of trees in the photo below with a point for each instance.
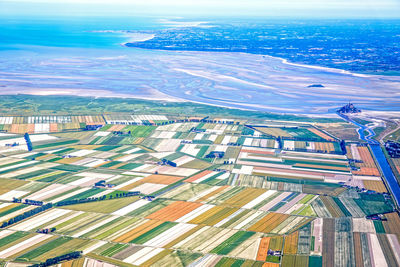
(26, 214)
(53, 261)
(94, 199)
(168, 162)
(393, 149)
(46, 230)
(28, 142)
(343, 147)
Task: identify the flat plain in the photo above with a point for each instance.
(159, 190)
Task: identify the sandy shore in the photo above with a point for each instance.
(234, 80)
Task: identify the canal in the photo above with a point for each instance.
(386, 171)
(383, 164)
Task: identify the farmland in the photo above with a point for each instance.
(157, 190)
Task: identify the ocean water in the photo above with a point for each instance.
(79, 32)
(84, 56)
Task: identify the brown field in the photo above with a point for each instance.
(322, 146)
(243, 197)
(377, 186)
(392, 225)
(328, 242)
(290, 244)
(316, 189)
(174, 211)
(268, 223)
(333, 209)
(320, 134)
(273, 131)
(358, 250)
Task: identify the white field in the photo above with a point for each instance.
(195, 213)
(169, 235)
(11, 194)
(102, 133)
(275, 201)
(131, 207)
(143, 255)
(148, 188)
(190, 149)
(377, 255)
(259, 199)
(42, 218)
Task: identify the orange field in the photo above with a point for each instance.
(141, 229)
(161, 179)
(268, 223)
(377, 186)
(116, 128)
(154, 179)
(270, 264)
(368, 166)
(31, 128)
(320, 134)
(53, 127)
(322, 146)
(367, 171)
(290, 246)
(366, 157)
(197, 176)
(263, 249)
(174, 211)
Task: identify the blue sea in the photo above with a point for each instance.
(79, 32)
(220, 62)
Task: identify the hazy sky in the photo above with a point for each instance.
(319, 8)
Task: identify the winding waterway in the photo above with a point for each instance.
(383, 164)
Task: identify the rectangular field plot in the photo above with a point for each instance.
(160, 190)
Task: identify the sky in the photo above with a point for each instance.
(295, 8)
